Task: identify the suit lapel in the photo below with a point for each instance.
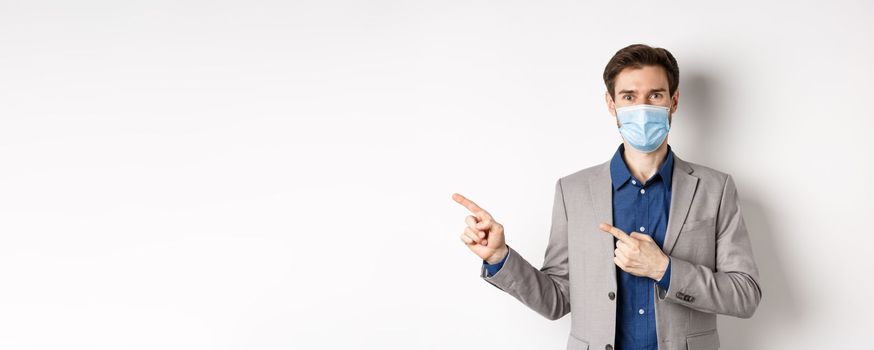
(601, 188)
(683, 188)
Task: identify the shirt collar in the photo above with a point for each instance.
(620, 174)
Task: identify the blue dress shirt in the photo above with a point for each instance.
(637, 207)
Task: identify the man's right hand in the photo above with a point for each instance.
(483, 235)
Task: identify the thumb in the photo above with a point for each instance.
(640, 236)
(482, 225)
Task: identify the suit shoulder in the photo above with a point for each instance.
(582, 176)
(710, 176)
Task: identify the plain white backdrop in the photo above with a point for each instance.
(277, 174)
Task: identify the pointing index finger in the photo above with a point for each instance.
(469, 204)
(619, 234)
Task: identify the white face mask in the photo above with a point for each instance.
(644, 127)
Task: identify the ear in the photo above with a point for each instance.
(675, 101)
(611, 105)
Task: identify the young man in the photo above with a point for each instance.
(645, 248)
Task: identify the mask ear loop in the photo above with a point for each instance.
(670, 116)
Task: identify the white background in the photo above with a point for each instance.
(277, 175)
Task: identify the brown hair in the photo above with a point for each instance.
(637, 56)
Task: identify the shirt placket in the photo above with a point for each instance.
(643, 224)
(641, 218)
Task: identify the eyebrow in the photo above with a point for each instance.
(633, 91)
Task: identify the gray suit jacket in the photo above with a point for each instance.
(712, 266)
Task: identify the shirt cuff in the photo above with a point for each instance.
(492, 269)
(665, 282)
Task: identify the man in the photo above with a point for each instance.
(645, 248)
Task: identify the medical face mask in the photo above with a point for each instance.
(644, 127)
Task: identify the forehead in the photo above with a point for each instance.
(641, 79)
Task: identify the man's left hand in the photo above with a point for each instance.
(637, 253)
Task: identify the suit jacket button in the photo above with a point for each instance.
(611, 295)
(609, 347)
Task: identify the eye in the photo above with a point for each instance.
(626, 97)
(656, 95)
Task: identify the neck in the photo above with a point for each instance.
(644, 165)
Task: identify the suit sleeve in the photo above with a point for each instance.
(732, 288)
(544, 290)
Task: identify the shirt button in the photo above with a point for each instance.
(609, 347)
(640, 311)
(642, 229)
(611, 295)
(642, 191)
(633, 182)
